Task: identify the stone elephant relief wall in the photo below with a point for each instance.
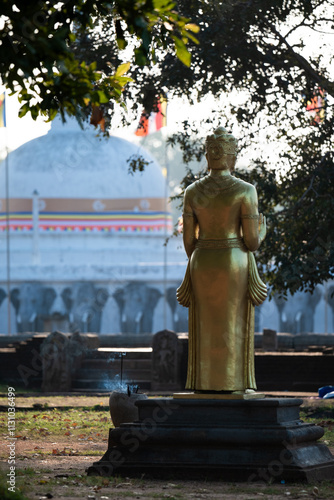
(85, 302)
(132, 308)
(3, 295)
(81, 307)
(42, 308)
(136, 302)
(330, 299)
(296, 314)
(32, 303)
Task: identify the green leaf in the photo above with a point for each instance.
(182, 51)
(163, 5)
(191, 37)
(192, 27)
(23, 110)
(122, 69)
(102, 97)
(141, 57)
(52, 114)
(121, 42)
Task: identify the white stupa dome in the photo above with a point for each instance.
(80, 181)
(81, 226)
(69, 162)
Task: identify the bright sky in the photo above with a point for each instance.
(21, 130)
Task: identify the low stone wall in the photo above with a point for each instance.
(299, 342)
(296, 363)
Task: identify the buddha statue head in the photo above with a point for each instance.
(220, 149)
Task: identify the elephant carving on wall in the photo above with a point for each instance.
(330, 301)
(32, 303)
(84, 303)
(4, 327)
(296, 314)
(180, 313)
(136, 302)
(39, 308)
(3, 295)
(58, 318)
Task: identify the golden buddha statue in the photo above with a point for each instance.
(221, 229)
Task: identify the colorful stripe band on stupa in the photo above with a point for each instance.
(113, 221)
(82, 215)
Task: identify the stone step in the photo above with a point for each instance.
(114, 354)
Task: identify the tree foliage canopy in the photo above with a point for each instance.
(260, 48)
(41, 59)
(73, 54)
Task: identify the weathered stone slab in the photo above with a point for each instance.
(165, 361)
(269, 340)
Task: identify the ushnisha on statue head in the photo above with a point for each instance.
(220, 149)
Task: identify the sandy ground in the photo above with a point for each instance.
(65, 477)
(60, 471)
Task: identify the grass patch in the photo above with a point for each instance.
(328, 426)
(19, 493)
(90, 453)
(18, 389)
(173, 496)
(322, 412)
(9, 495)
(324, 417)
(32, 484)
(29, 481)
(322, 490)
(67, 451)
(92, 424)
(28, 472)
(74, 423)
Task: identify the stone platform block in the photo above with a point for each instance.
(232, 440)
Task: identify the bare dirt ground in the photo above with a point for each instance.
(65, 477)
(56, 468)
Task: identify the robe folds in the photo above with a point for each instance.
(221, 284)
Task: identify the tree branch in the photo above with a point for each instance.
(303, 64)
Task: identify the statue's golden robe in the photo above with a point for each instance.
(220, 231)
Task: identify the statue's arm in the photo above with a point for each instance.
(253, 224)
(190, 226)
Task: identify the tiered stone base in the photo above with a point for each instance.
(227, 439)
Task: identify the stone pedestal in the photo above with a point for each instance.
(233, 440)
